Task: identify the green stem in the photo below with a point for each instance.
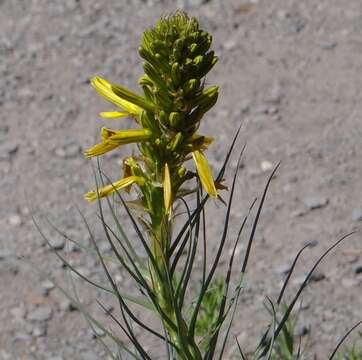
(187, 348)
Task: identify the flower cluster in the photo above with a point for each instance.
(177, 57)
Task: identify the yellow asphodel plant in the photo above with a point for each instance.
(177, 57)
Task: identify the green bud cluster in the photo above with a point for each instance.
(177, 57)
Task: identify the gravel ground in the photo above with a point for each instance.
(290, 70)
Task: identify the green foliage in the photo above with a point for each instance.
(209, 310)
(285, 347)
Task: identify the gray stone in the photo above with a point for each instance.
(66, 305)
(42, 313)
(296, 27)
(283, 270)
(196, 3)
(312, 243)
(313, 203)
(21, 336)
(357, 214)
(327, 45)
(97, 333)
(57, 243)
(39, 330)
(6, 254)
(46, 287)
(317, 276)
(358, 269)
(14, 220)
(302, 330)
(8, 149)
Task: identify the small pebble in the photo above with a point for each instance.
(273, 110)
(317, 276)
(39, 331)
(327, 45)
(266, 165)
(57, 243)
(313, 203)
(6, 254)
(7, 150)
(358, 269)
(14, 220)
(21, 336)
(312, 243)
(66, 305)
(357, 214)
(46, 287)
(97, 333)
(42, 313)
(296, 27)
(229, 44)
(302, 330)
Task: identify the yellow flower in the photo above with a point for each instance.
(204, 172)
(109, 189)
(167, 188)
(104, 88)
(111, 139)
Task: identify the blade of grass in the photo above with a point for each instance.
(256, 221)
(129, 331)
(343, 339)
(118, 224)
(305, 282)
(228, 278)
(218, 255)
(191, 261)
(290, 274)
(202, 203)
(243, 357)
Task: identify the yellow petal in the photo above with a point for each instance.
(104, 88)
(100, 149)
(204, 172)
(109, 189)
(113, 114)
(167, 188)
(111, 139)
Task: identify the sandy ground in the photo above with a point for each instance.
(290, 70)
